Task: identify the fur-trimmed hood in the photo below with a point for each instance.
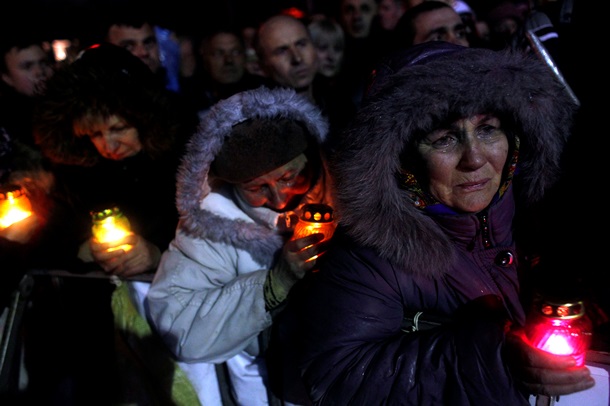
(216, 125)
(412, 93)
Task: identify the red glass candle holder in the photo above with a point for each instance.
(560, 328)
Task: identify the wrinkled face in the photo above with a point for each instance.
(357, 16)
(443, 24)
(330, 56)
(390, 12)
(113, 138)
(464, 162)
(281, 189)
(289, 57)
(141, 42)
(27, 69)
(224, 58)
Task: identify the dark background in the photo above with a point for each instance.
(79, 18)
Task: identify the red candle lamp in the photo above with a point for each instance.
(560, 328)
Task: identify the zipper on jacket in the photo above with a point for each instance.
(483, 231)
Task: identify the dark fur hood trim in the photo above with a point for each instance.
(372, 207)
(193, 185)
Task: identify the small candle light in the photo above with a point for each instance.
(315, 218)
(111, 225)
(14, 205)
(560, 328)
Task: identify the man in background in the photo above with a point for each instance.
(25, 67)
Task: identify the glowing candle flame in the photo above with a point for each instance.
(14, 207)
(111, 226)
(315, 218)
(561, 330)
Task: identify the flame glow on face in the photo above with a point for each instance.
(280, 188)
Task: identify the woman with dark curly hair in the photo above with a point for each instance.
(114, 137)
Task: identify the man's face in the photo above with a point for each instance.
(357, 16)
(443, 24)
(141, 42)
(224, 58)
(390, 12)
(27, 70)
(287, 53)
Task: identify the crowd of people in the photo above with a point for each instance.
(446, 136)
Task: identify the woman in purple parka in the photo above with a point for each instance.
(452, 147)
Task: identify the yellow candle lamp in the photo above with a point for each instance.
(111, 225)
(14, 205)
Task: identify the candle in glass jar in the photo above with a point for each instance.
(315, 218)
(14, 205)
(111, 225)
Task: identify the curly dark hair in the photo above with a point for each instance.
(104, 81)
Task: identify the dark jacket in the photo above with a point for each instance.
(142, 187)
(391, 259)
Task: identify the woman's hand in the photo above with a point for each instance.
(298, 257)
(542, 373)
(135, 256)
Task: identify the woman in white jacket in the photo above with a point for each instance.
(255, 160)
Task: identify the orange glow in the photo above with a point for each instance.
(305, 228)
(315, 218)
(14, 207)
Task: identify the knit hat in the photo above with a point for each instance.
(258, 146)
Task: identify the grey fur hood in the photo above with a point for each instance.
(193, 184)
(412, 93)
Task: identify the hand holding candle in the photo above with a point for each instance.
(547, 357)
(111, 226)
(315, 219)
(560, 328)
(117, 249)
(299, 254)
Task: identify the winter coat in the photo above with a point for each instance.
(392, 259)
(206, 300)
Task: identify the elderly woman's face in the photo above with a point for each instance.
(464, 162)
(282, 188)
(112, 137)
